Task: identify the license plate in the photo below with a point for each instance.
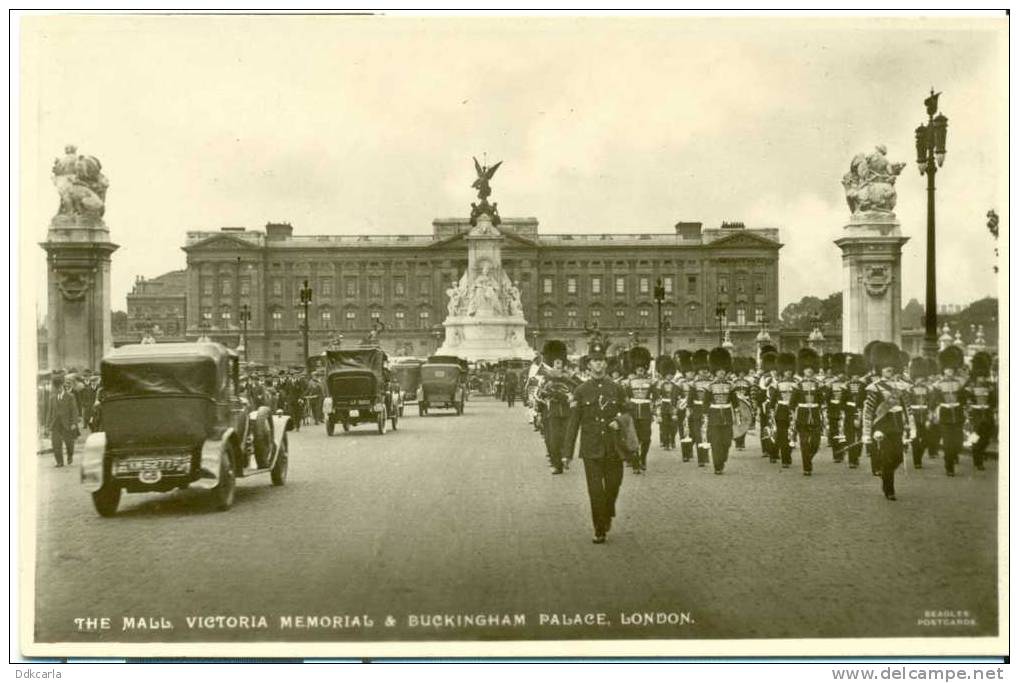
(355, 413)
(177, 464)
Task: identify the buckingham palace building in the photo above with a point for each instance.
(716, 281)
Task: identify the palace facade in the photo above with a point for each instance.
(569, 283)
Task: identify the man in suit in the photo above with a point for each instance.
(596, 407)
(63, 420)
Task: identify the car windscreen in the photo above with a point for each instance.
(446, 373)
(356, 359)
(186, 377)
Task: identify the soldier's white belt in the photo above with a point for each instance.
(919, 406)
(849, 403)
(979, 407)
(807, 405)
(895, 409)
(640, 400)
(666, 400)
(949, 405)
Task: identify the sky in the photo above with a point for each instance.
(354, 125)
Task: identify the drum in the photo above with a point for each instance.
(744, 415)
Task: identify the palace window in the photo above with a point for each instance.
(350, 287)
(596, 284)
(620, 315)
(375, 287)
(226, 287)
(207, 315)
(351, 319)
(424, 286)
(645, 314)
(741, 284)
(277, 286)
(571, 317)
(376, 316)
(621, 284)
(758, 284)
(423, 317)
(326, 318)
(596, 313)
(399, 286)
(691, 284)
(245, 286)
(546, 285)
(741, 315)
(645, 285)
(723, 284)
(571, 284)
(667, 284)
(759, 314)
(399, 316)
(547, 315)
(326, 285)
(224, 315)
(207, 287)
(277, 320)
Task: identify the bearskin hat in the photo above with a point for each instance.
(769, 361)
(885, 355)
(807, 358)
(719, 359)
(980, 365)
(582, 363)
(918, 368)
(639, 357)
(825, 362)
(700, 360)
(837, 363)
(951, 357)
(868, 352)
(786, 362)
(552, 350)
(904, 360)
(665, 366)
(684, 360)
(613, 365)
(768, 348)
(856, 366)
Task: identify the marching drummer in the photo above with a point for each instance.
(722, 407)
(982, 397)
(946, 401)
(806, 406)
(668, 399)
(742, 384)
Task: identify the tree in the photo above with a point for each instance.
(912, 315)
(118, 322)
(801, 315)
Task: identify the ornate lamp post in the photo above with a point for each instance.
(305, 302)
(720, 314)
(245, 319)
(930, 155)
(763, 338)
(659, 298)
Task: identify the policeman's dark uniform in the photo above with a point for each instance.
(982, 398)
(946, 402)
(597, 403)
(886, 412)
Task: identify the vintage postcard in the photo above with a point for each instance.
(393, 335)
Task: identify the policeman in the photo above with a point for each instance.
(640, 394)
(852, 407)
(806, 404)
(780, 396)
(721, 409)
(668, 399)
(982, 400)
(683, 380)
(697, 405)
(919, 370)
(553, 397)
(887, 423)
(597, 406)
(946, 402)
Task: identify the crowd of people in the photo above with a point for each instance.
(881, 404)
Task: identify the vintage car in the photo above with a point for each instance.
(358, 389)
(443, 384)
(408, 374)
(172, 417)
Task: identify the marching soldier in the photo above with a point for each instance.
(946, 402)
(697, 405)
(780, 396)
(684, 377)
(721, 409)
(852, 407)
(806, 404)
(918, 400)
(982, 400)
(668, 399)
(553, 397)
(743, 386)
(886, 418)
(596, 408)
(834, 396)
(769, 370)
(640, 394)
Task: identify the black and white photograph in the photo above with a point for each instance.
(512, 336)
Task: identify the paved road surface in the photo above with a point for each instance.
(460, 516)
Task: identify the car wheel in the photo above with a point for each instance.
(279, 469)
(106, 499)
(262, 441)
(383, 426)
(330, 426)
(223, 493)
